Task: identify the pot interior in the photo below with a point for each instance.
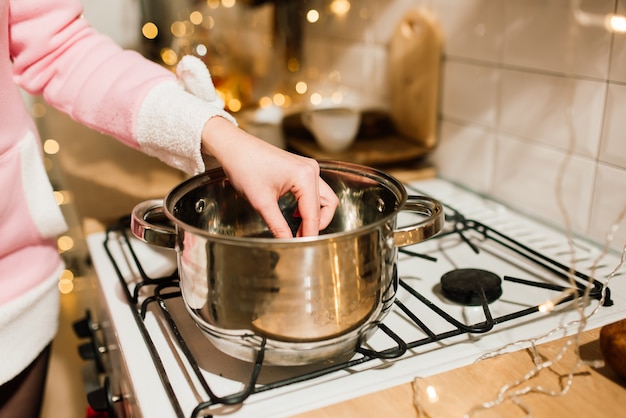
(209, 202)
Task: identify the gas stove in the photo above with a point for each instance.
(535, 285)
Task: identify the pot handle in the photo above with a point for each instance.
(149, 223)
(427, 228)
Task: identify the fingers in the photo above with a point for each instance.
(328, 204)
(306, 189)
(274, 219)
(309, 210)
(317, 210)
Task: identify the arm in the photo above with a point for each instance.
(57, 54)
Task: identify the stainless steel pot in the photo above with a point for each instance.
(305, 299)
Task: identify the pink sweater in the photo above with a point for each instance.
(47, 49)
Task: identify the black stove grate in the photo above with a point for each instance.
(162, 289)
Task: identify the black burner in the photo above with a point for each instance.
(463, 286)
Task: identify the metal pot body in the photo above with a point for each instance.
(302, 299)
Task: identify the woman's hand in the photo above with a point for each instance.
(264, 173)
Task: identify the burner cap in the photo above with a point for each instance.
(463, 286)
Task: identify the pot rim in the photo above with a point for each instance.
(381, 178)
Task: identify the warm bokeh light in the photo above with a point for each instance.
(431, 392)
(234, 105)
(228, 3)
(213, 4)
(616, 23)
(312, 16)
(66, 275)
(65, 243)
(340, 7)
(178, 29)
(59, 198)
(279, 99)
(546, 307)
(265, 102)
(150, 30)
(301, 87)
(62, 197)
(196, 17)
(66, 282)
(201, 50)
(169, 56)
(51, 146)
(315, 99)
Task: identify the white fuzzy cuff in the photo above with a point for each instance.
(173, 115)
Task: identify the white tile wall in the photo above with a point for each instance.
(556, 87)
(472, 28)
(527, 174)
(613, 149)
(467, 154)
(552, 110)
(543, 35)
(468, 92)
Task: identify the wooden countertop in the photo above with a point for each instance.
(594, 392)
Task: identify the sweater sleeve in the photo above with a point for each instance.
(83, 73)
(172, 116)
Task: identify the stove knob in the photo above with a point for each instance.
(90, 351)
(84, 328)
(101, 400)
(87, 351)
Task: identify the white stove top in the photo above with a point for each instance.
(224, 374)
